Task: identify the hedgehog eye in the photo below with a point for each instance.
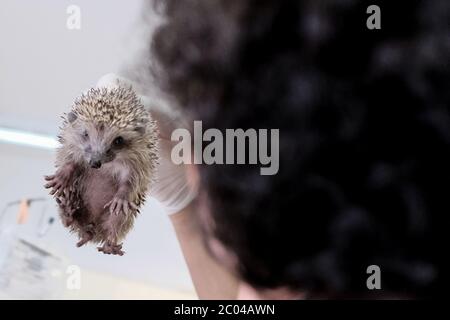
(118, 142)
(85, 134)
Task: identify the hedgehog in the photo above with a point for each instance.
(104, 166)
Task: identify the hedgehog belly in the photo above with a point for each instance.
(99, 188)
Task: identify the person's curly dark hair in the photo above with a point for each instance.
(364, 119)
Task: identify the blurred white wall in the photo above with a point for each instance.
(43, 67)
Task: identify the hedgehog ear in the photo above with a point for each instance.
(140, 129)
(71, 117)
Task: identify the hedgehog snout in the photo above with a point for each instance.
(95, 164)
(95, 160)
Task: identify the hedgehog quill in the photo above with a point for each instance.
(105, 165)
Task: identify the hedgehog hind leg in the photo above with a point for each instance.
(111, 247)
(73, 213)
(86, 234)
(113, 227)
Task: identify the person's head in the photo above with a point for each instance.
(364, 135)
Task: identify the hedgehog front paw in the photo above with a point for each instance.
(119, 205)
(60, 180)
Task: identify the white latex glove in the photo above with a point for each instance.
(172, 188)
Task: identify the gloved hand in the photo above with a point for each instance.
(174, 188)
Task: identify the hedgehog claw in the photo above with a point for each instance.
(133, 206)
(82, 242)
(114, 249)
(118, 205)
(58, 182)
